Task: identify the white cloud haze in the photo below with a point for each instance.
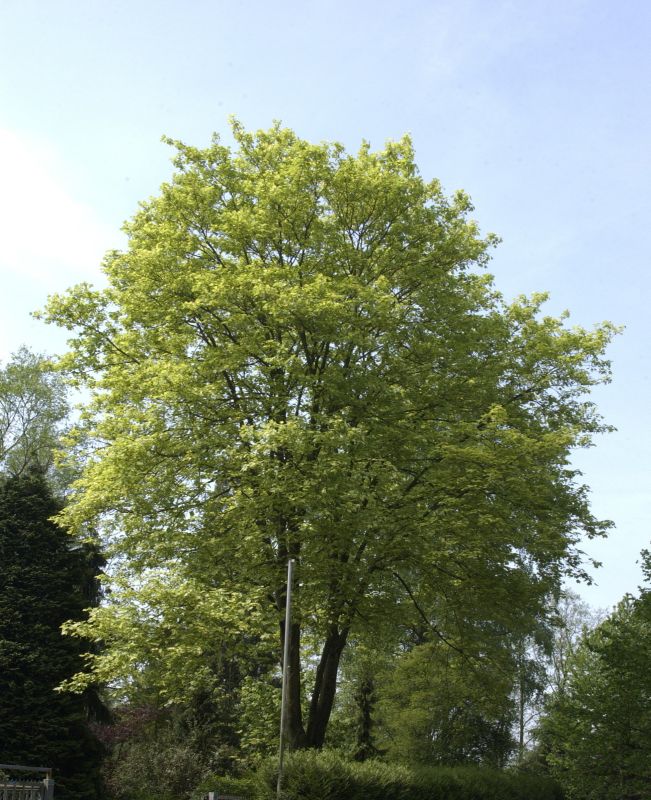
(45, 233)
(49, 240)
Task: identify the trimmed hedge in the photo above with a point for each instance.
(327, 776)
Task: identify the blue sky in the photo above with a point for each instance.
(539, 110)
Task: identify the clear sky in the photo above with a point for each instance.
(538, 108)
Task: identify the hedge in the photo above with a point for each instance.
(327, 776)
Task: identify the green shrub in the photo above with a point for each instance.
(327, 776)
(248, 787)
(159, 768)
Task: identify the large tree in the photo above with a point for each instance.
(298, 356)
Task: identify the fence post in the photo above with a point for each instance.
(48, 794)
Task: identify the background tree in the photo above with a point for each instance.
(296, 356)
(532, 657)
(551, 660)
(441, 707)
(356, 722)
(596, 734)
(573, 619)
(33, 408)
(44, 581)
(155, 752)
(226, 724)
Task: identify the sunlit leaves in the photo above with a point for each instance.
(297, 354)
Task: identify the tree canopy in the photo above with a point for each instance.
(299, 355)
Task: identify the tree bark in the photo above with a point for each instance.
(325, 687)
(294, 719)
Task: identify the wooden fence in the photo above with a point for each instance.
(28, 787)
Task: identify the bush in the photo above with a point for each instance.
(327, 776)
(248, 787)
(160, 767)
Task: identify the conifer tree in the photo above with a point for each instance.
(45, 580)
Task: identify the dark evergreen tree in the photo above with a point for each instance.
(45, 580)
(365, 699)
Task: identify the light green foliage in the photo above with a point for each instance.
(258, 718)
(597, 732)
(297, 355)
(32, 409)
(168, 632)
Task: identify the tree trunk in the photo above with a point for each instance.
(325, 687)
(294, 719)
(325, 684)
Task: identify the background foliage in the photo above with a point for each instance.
(597, 732)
